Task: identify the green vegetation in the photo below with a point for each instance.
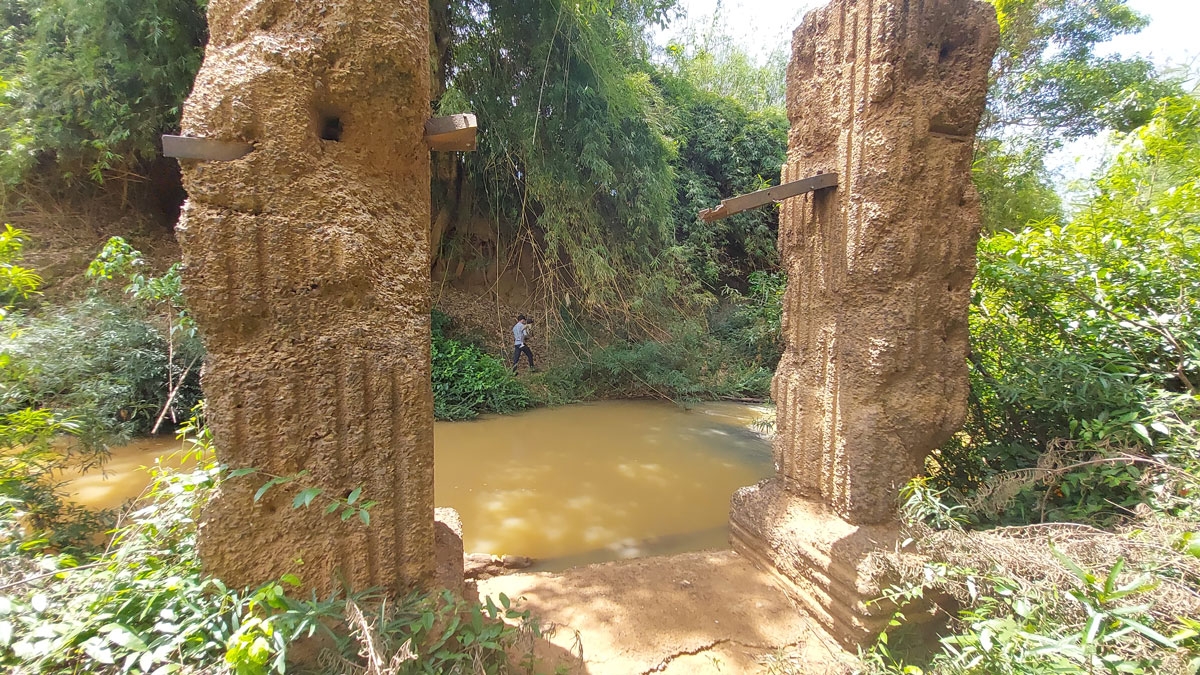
(467, 381)
(91, 85)
(136, 600)
(577, 155)
(1076, 473)
(724, 150)
(689, 367)
(1083, 429)
(114, 368)
(141, 604)
(1048, 85)
(1085, 331)
(596, 165)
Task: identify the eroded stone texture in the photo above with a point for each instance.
(307, 272)
(448, 550)
(887, 94)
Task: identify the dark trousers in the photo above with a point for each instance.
(517, 351)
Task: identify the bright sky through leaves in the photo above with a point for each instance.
(763, 26)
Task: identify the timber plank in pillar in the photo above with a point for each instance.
(887, 94)
(306, 269)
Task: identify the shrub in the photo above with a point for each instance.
(143, 605)
(691, 366)
(1085, 347)
(467, 381)
(100, 365)
(93, 84)
(753, 329)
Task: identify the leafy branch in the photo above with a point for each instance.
(350, 505)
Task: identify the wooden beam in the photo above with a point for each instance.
(205, 149)
(733, 205)
(453, 132)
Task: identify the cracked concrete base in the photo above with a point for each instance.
(707, 612)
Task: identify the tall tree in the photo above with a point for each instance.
(723, 150)
(713, 61)
(573, 159)
(91, 84)
(1049, 85)
(1048, 77)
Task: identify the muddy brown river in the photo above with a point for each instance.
(566, 486)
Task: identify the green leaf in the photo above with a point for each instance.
(353, 497)
(1092, 628)
(122, 636)
(305, 497)
(364, 516)
(1110, 582)
(263, 490)
(1140, 430)
(1070, 564)
(1189, 544)
(1152, 634)
(238, 473)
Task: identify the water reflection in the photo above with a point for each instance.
(598, 481)
(567, 485)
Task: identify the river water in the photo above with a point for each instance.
(566, 486)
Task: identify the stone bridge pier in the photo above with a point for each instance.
(306, 269)
(888, 95)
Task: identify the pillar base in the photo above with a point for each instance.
(821, 560)
(448, 550)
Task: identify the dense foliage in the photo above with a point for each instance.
(97, 363)
(576, 160)
(1048, 78)
(692, 366)
(1049, 85)
(467, 381)
(713, 61)
(1085, 354)
(1086, 331)
(113, 368)
(91, 85)
(724, 150)
(142, 604)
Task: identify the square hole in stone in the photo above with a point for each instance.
(331, 128)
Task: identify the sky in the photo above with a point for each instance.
(763, 25)
(1172, 39)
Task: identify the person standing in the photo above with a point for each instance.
(520, 331)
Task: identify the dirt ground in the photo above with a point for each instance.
(695, 613)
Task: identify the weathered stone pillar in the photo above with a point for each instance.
(307, 272)
(887, 94)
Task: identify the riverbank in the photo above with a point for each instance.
(687, 614)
